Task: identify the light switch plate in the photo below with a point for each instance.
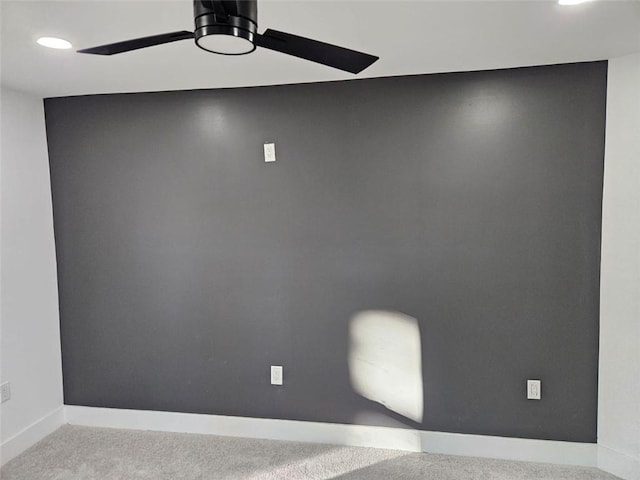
(276, 375)
(533, 389)
(269, 152)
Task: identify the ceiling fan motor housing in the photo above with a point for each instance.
(226, 27)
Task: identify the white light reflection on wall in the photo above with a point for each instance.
(385, 361)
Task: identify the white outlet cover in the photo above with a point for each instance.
(276, 375)
(533, 389)
(5, 392)
(269, 152)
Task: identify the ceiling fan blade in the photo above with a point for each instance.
(137, 43)
(315, 51)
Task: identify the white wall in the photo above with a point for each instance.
(29, 326)
(619, 375)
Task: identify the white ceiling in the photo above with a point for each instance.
(409, 37)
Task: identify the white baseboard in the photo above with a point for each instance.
(31, 435)
(618, 464)
(292, 430)
(509, 448)
(569, 453)
(547, 451)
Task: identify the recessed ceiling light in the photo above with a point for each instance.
(571, 2)
(53, 42)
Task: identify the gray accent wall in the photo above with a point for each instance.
(470, 202)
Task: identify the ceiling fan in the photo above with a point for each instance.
(230, 27)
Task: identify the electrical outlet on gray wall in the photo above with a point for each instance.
(533, 389)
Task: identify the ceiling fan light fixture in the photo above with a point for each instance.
(225, 40)
(225, 33)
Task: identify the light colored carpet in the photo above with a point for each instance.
(82, 453)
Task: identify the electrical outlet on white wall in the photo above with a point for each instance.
(5, 392)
